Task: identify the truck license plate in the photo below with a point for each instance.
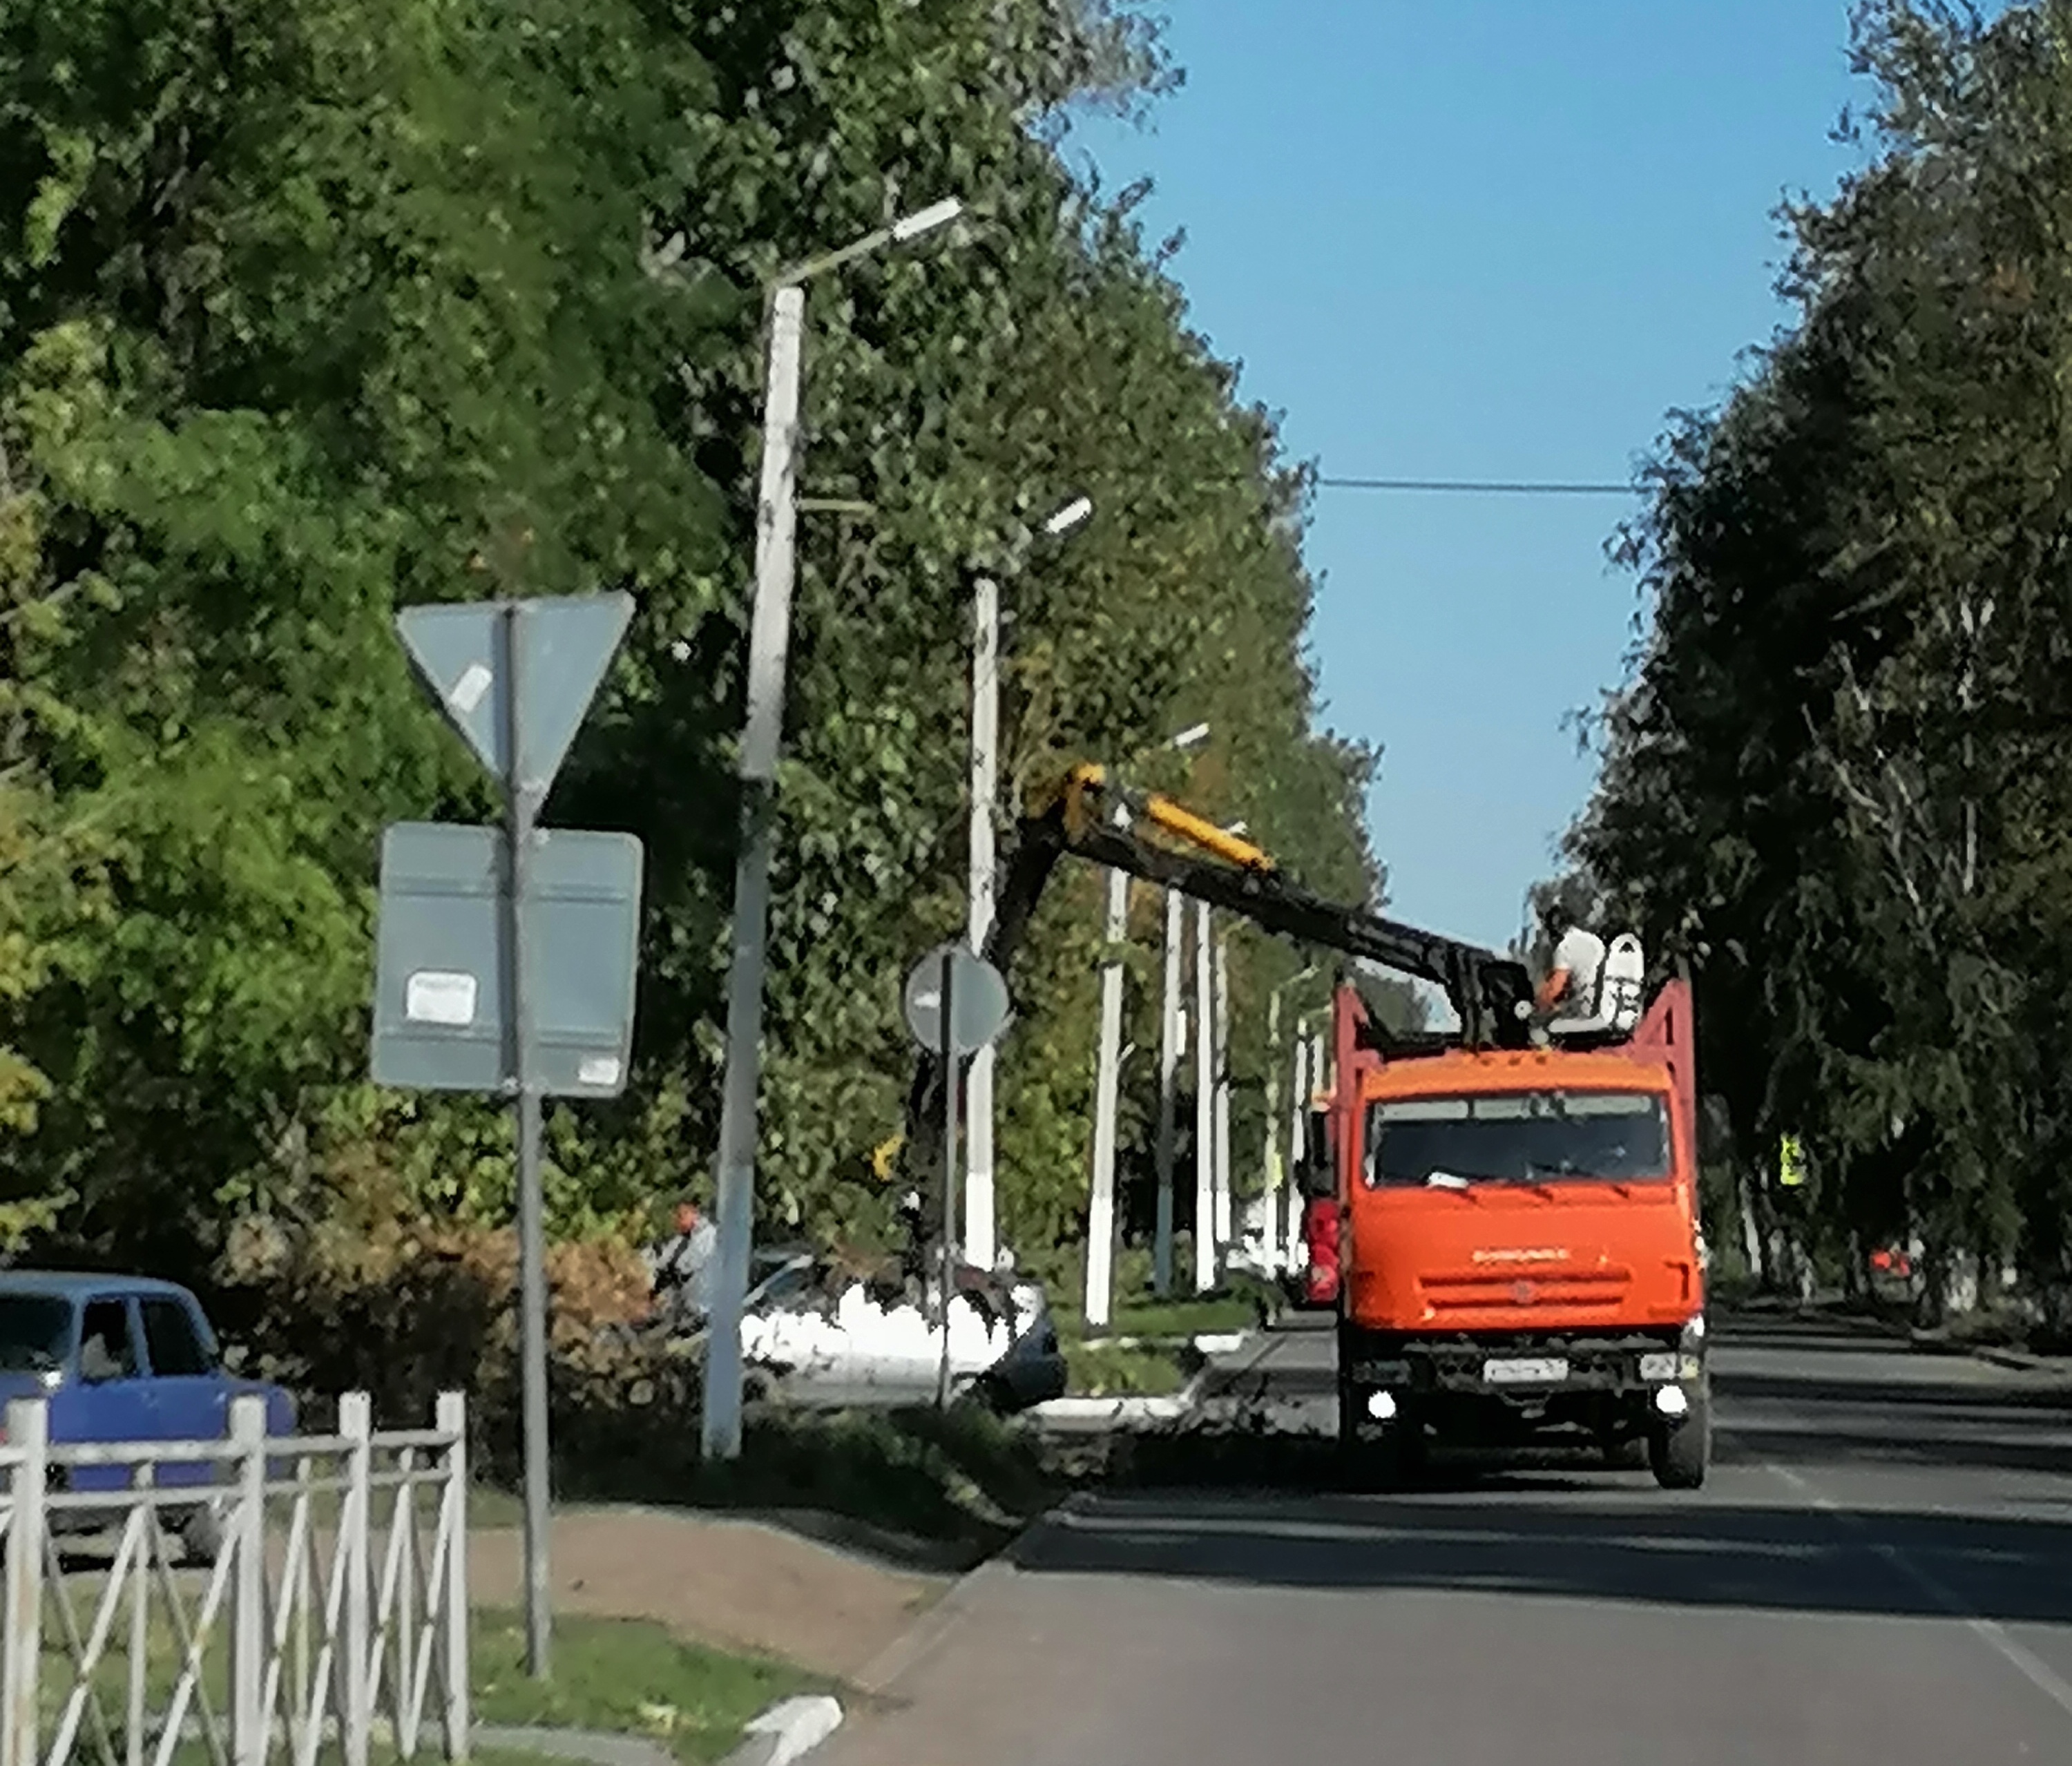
(1549, 1370)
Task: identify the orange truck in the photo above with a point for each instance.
(1518, 1250)
(1520, 1256)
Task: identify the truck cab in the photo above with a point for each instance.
(1520, 1252)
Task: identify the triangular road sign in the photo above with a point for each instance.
(564, 644)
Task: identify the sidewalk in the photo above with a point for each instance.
(1944, 1341)
(736, 1584)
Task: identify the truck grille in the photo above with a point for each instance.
(1485, 1291)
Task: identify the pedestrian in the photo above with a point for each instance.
(677, 1268)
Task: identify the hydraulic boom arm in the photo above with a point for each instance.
(1092, 819)
(1491, 994)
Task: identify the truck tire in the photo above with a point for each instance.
(1396, 1461)
(1678, 1454)
(1351, 1449)
(1393, 1460)
(1624, 1453)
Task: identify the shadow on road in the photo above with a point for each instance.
(1680, 1553)
(1250, 1503)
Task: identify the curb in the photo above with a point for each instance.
(1116, 1412)
(790, 1727)
(906, 1651)
(1926, 1343)
(597, 1747)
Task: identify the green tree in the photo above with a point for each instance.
(1835, 780)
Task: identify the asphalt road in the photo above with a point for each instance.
(1879, 1570)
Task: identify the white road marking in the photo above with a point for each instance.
(2038, 1673)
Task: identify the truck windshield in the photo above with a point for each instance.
(1519, 1137)
(34, 1332)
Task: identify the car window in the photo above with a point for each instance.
(170, 1337)
(785, 1286)
(105, 1350)
(36, 1330)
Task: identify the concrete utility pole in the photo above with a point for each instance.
(1269, 1174)
(769, 641)
(1170, 1034)
(1298, 1126)
(981, 1227)
(1227, 1233)
(1100, 1214)
(981, 1248)
(776, 526)
(1205, 1259)
(1272, 1171)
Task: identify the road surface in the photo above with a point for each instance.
(1879, 1570)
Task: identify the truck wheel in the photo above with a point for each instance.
(1624, 1453)
(1678, 1453)
(1396, 1461)
(1349, 1440)
(1390, 1460)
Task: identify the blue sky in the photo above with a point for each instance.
(1482, 238)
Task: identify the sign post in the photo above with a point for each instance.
(515, 678)
(951, 1081)
(955, 1004)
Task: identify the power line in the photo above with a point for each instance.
(1487, 486)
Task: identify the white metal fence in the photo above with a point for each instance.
(332, 1624)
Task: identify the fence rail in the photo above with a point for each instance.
(281, 1599)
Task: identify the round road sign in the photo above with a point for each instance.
(978, 1000)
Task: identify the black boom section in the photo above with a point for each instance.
(1486, 990)
(1492, 994)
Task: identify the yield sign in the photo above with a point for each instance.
(559, 648)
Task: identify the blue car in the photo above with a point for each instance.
(124, 1358)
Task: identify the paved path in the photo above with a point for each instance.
(724, 1580)
(1879, 1572)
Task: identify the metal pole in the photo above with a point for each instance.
(1226, 1234)
(1205, 1107)
(949, 1054)
(769, 638)
(1169, 1086)
(979, 1228)
(1100, 1214)
(521, 797)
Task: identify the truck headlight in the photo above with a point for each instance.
(1693, 1337)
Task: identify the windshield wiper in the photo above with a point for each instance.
(1446, 1180)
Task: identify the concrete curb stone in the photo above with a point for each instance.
(790, 1728)
(595, 1747)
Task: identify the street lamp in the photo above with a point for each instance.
(776, 521)
(1169, 1056)
(1100, 1212)
(979, 1213)
(1211, 1101)
(1270, 1157)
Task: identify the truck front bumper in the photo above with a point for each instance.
(1505, 1386)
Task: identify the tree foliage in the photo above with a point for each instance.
(310, 310)
(1837, 784)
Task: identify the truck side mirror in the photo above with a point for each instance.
(1316, 1175)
